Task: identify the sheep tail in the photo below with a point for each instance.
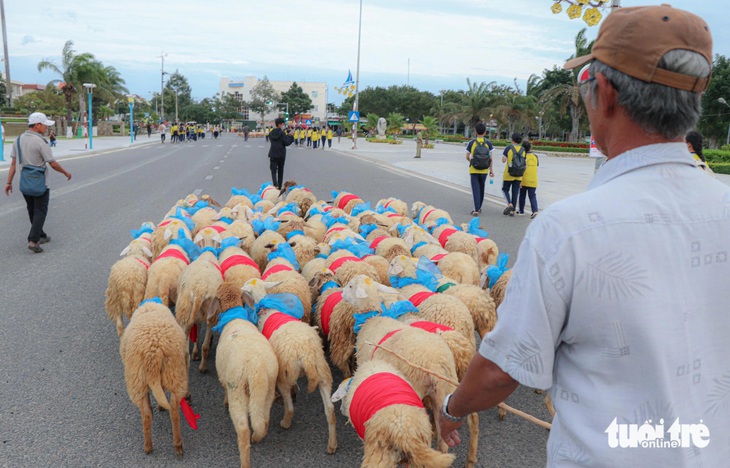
(424, 455)
(258, 394)
(312, 370)
(158, 393)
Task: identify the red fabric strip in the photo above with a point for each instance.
(377, 392)
(345, 200)
(479, 239)
(423, 218)
(146, 266)
(329, 305)
(431, 327)
(274, 321)
(374, 244)
(271, 187)
(235, 260)
(337, 227)
(276, 269)
(340, 261)
(194, 333)
(217, 267)
(394, 215)
(164, 223)
(174, 253)
(418, 298)
(436, 258)
(218, 229)
(383, 340)
(444, 236)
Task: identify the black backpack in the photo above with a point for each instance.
(518, 164)
(481, 158)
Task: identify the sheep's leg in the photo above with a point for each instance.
(329, 411)
(175, 419)
(238, 410)
(436, 412)
(286, 398)
(146, 409)
(206, 349)
(472, 422)
(120, 326)
(502, 413)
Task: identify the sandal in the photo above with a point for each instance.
(35, 248)
(475, 213)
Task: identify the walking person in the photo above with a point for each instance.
(479, 155)
(309, 137)
(528, 186)
(339, 134)
(246, 131)
(149, 130)
(694, 141)
(163, 132)
(323, 138)
(419, 144)
(315, 138)
(32, 151)
(266, 133)
(329, 137)
(514, 159)
(280, 139)
(52, 138)
(174, 133)
(618, 302)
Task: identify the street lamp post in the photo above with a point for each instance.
(162, 87)
(357, 79)
(723, 101)
(90, 89)
(131, 119)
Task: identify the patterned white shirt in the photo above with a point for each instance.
(619, 303)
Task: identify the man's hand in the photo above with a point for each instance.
(8, 189)
(68, 175)
(449, 431)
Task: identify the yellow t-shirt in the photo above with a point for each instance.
(329, 134)
(296, 134)
(173, 129)
(471, 147)
(309, 133)
(506, 177)
(315, 135)
(529, 178)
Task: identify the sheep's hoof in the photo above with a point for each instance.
(195, 357)
(148, 450)
(502, 414)
(331, 450)
(160, 409)
(179, 451)
(538, 391)
(203, 370)
(285, 424)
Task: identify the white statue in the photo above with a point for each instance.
(382, 127)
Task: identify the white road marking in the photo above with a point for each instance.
(220, 146)
(205, 146)
(234, 146)
(208, 177)
(197, 192)
(261, 146)
(216, 167)
(222, 160)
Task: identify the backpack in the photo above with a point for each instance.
(481, 159)
(32, 178)
(518, 164)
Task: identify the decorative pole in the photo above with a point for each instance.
(90, 89)
(131, 119)
(357, 80)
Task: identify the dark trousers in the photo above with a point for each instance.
(162, 137)
(478, 181)
(329, 143)
(37, 211)
(510, 189)
(529, 191)
(324, 139)
(277, 171)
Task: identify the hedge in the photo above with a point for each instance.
(720, 168)
(716, 156)
(560, 150)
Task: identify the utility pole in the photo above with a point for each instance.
(8, 85)
(357, 79)
(162, 86)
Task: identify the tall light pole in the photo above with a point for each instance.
(90, 89)
(723, 101)
(162, 86)
(131, 118)
(357, 79)
(8, 83)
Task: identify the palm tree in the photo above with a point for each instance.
(371, 121)
(475, 103)
(395, 123)
(75, 69)
(431, 124)
(515, 107)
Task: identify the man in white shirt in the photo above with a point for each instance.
(162, 128)
(619, 299)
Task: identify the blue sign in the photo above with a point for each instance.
(308, 122)
(353, 116)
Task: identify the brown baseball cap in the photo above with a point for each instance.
(633, 41)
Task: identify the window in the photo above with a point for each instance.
(315, 108)
(315, 94)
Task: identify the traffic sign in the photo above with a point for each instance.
(308, 122)
(353, 116)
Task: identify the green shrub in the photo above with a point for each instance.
(716, 156)
(560, 150)
(720, 168)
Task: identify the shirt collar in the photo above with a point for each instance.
(643, 156)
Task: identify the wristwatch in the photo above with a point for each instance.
(445, 410)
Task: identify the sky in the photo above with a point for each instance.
(430, 44)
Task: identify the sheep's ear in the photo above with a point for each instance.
(395, 269)
(234, 210)
(360, 292)
(249, 213)
(271, 284)
(215, 306)
(386, 289)
(147, 251)
(217, 217)
(198, 238)
(314, 282)
(293, 244)
(168, 233)
(432, 239)
(217, 238)
(124, 252)
(341, 391)
(248, 299)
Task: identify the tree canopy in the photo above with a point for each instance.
(299, 102)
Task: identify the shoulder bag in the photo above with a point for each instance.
(32, 178)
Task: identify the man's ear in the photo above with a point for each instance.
(606, 94)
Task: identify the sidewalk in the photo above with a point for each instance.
(559, 177)
(79, 147)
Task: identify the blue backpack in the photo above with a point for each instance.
(32, 178)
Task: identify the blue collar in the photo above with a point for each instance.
(328, 285)
(233, 313)
(418, 246)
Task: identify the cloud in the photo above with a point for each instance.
(27, 40)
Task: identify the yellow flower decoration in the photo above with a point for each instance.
(583, 2)
(557, 8)
(592, 16)
(574, 11)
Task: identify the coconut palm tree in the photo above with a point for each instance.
(371, 121)
(431, 124)
(395, 123)
(475, 103)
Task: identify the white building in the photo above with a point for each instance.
(241, 89)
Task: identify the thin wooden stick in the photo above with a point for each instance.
(505, 407)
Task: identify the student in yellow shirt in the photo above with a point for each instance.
(329, 137)
(174, 133)
(479, 155)
(309, 137)
(296, 136)
(324, 137)
(528, 186)
(315, 138)
(694, 141)
(511, 183)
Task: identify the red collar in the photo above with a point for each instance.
(146, 265)
(340, 261)
(217, 267)
(431, 327)
(345, 200)
(419, 297)
(327, 308)
(337, 227)
(276, 269)
(383, 340)
(445, 234)
(374, 244)
(218, 229)
(436, 258)
(274, 321)
(423, 218)
(235, 260)
(377, 392)
(174, 253)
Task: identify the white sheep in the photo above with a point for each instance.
(164, 274)
(302, 196)
(280, 270)
(237, 266)
(259, 250)
(247, 369)
(298, 349)
(399, 206)
(168, 229)
(346, 201)
(127, 282)
(155, 358)
(422, 213)
(387, 413)
(454, 240)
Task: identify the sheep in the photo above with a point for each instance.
(347, 201)
(209, 236)
(480, 304)
(241, 229)
(166, 230)
(399, 427)
(390, 247)
(263, 205)
(259, 251)
(422, 213)
(346, 266)
(422, 243)
(315, 229)
(399, 206)
(298, 350)
(247, 369)
(380, 265)
(454, 240)
(155, 358)
(305, 248)
(499, 288)
(302, 196)
(127, 282)
(237, 266)
(164, 274)
(196, 297)
(238, 200)
(281, 270)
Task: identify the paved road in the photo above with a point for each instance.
(62, 399)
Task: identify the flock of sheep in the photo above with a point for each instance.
(393, 298)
